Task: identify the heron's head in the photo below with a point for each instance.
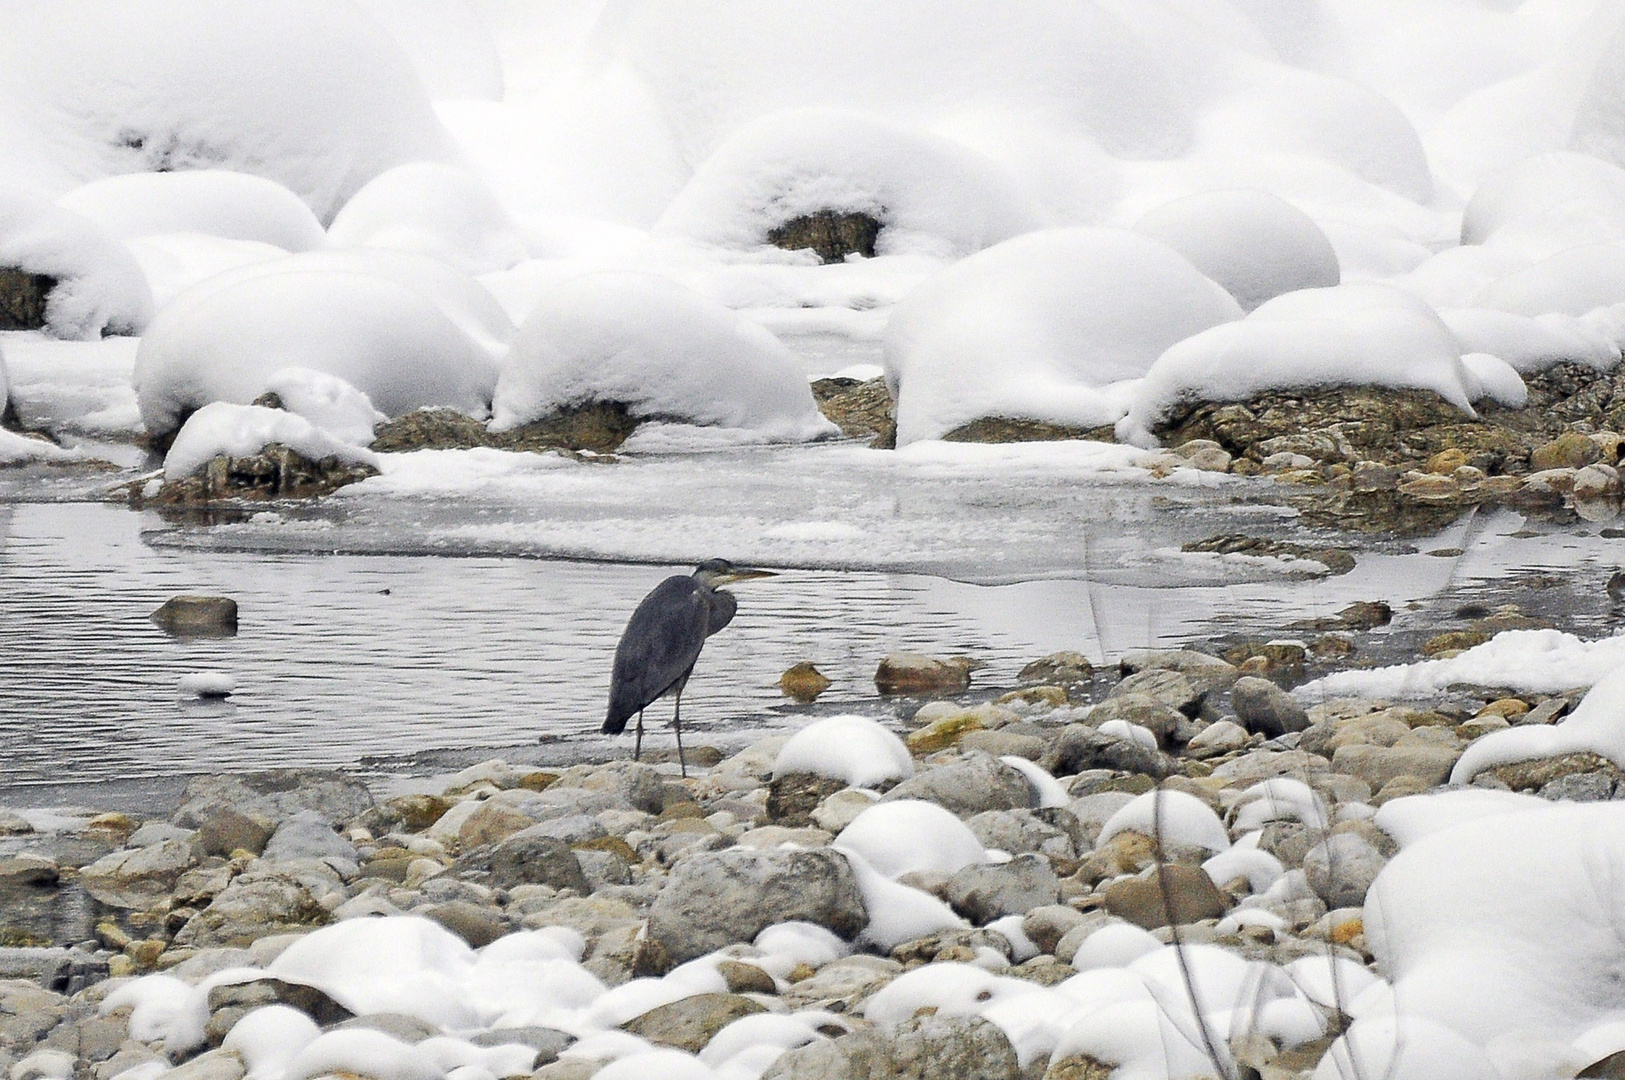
(716, 572)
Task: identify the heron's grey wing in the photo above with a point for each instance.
(722, 605)
(661, 642)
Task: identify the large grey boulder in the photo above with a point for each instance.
(1080, 747)
(976, 783)
(258, 903)
(530, 856)
(137, 878)
(1057, 833)
(306, 835)
(924, 1048)
(719, 898)
(1263, 707)
(1342, 868)
(277, 795)
(985, 893)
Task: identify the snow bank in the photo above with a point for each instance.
(328, 402)
(391, 342)
(1359, 334)
(434, 209)
(1548, 202)
(99, 288)
(1596, 725)
(1255, 244)
(1533, 344)
(1504, 930)
(663, 350)
(1039, 327)
(1574, 281)
(932, 196)
(1541, 661)
(852, 749)
(311, 94)
(450, 45)
(214, 202)
(243, 430)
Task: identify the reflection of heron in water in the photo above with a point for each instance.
(662, 641)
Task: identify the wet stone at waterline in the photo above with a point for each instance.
(198, 616)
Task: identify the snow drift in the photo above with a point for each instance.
(433, 209)
(311, 94)
(214, 202)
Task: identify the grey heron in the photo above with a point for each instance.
(662, 641)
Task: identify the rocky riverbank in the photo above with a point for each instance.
(770, 913)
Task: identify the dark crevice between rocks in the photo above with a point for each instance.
(832, 234)
(23, 299)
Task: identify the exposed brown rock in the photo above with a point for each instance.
(1010, 429)
(276, 472)
(600, 427)
(23, 297)
(803, 682)
(831, 233)
(863, 410)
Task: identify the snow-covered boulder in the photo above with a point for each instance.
(99, 287)
(434, 209)
(1040, 327)
(1351, 335)
(897, 838)
(1504, 930)
(1255, 244)
(244, 430)
(662, 350)
(852, 749)
(931, 195)
(390, 341)
(311, 94)
(214, 202)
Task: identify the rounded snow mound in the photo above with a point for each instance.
(388, 340)
(1255, 244)
(1532, 343)
(1362, 334)
(214, 202)
(852, 749)
(99, 286)
(311, 94)
(1040, 326)
(1559, 198)
(429, 208)
(1575, 281)
(661, 349)
(908, 835)
(931, 195)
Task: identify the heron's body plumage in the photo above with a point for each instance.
(662, 641)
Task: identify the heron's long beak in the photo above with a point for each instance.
(743, 575)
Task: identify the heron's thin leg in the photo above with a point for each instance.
(637, 747)
(677, 725)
